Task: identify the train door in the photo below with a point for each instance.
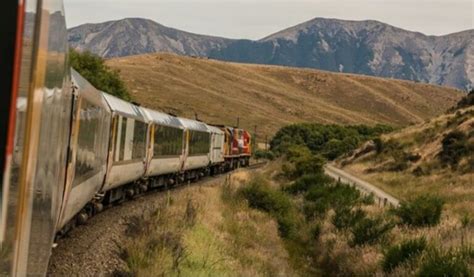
(33, 182)
(10, 51)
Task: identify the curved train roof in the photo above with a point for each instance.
(88, 91)
(162, 118)
(215, 130)
(194, 125)
(123, 107)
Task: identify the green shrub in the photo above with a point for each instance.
(345, 217)
(368, 199)
(453, 262)
(262, 154)
(335, 195)
(261, 196)
(403, 252)
(369, 231)
(331, 141)
(287, 225)
(316, 230)
(304, 183)
(296, 152)
(102, 77)
(466, 101)
(424, 210)
(309, 165)
(455, 146)
(316, 209)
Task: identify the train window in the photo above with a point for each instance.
(199, 143)
(139, 140)
(120, 143)
(88, 140)
(168, 141)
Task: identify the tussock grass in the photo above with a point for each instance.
(204, 231)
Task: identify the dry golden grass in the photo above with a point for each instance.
(271, 97)
(456, 186)
(216, 238)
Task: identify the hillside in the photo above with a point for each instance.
(363, 47)
(272, 97)
(436, 157)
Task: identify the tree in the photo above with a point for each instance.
(102, 77)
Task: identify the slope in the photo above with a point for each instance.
(435, 157)
(271, 97)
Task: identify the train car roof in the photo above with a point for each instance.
(88, 91)
(194, 125)
(123, 108)
(214, 129)
(162, 118)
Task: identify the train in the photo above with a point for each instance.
(67, 149)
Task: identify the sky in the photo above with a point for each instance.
(255, 19)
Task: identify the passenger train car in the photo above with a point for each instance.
(68, 149)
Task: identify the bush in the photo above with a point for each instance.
(369, 231)
(309, 165)
(286, 225)
(453, 262)
(455, 146)
(315, 231)
(102, 77)
(262, 154)
(403, 252)
(345, 217)
(466, 101)
(260, 196)
(335, 195)
(315, 209)
(424, 210)
(331, 141)
(305, 182)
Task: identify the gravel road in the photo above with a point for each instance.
(362, 185)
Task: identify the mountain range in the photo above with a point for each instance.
(361, 47)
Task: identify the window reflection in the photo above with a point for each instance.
(139, 140)
(199, 143)
(168, 141)
(88, 156)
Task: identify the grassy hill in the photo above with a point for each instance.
(272, 97)
(436, 157)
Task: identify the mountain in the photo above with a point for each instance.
(361, 47)
(133, 36)
(274, 96)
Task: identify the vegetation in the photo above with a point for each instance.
(101, 76)
(329, 141)
(466, 101)
(424, 210)
(455, 146)
(262, 154)
(451, 262)
(403, 252)
(260, 196)
(370, 231)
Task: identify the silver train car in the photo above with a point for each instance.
(68, 149)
